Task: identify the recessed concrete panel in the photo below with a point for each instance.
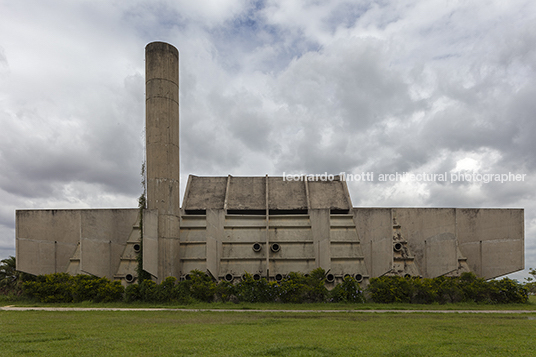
(241, 266)
(245, 235)
(290, 234)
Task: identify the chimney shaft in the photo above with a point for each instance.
(162, 127)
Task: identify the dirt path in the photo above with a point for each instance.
(21, 308)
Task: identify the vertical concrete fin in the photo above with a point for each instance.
(215, 222)
(150, 241)
(321, 229)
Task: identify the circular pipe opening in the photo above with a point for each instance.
(257, 247)
(330, 278)
(229, 277)
(358, 277)
(257, 276)
(187, 277)
(243, 277)
(346, 276)
(278, 277)
(276, 247)
(137, 248)
(407, 276)
(130, 278)
(397, 247)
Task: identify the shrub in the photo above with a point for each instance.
(293, 288)
(50, 288)
(347, 291)
(389, 289)
(508, 291)
(202, 287)
(132, 293)
(165, 291)
(251, 290)
(148, 291)
(109, 291)
(224, 291)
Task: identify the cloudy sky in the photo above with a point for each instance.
(271, 87)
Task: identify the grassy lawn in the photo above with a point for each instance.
(275, 306)
(157, 333)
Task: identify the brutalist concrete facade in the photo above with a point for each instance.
(267, 226)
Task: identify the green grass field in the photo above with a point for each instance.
(158, 333)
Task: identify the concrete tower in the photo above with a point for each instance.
(162, 127)
(162, 150)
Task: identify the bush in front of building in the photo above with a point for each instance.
(62, 287)
(465, 288)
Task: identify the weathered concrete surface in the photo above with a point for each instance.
(375, 230)
(162, 127)
(263, 225)
(491, 241)
(260, 193)
(47, 239)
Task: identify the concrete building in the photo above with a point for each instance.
(267, 226)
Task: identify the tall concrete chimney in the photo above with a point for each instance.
(162, 127)
(162, 216)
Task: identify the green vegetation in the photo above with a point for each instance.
(294, 288)
(157, 333)
(467, 287)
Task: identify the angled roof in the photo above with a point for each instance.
(254, 193)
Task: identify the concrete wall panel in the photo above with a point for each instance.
(329, 195)
(420, 224)
(238, 267)
(242, 250)
(286, 266)
(492, 240)
(279, 192)
(193, 235)
(440, 256)
(500, 257)
(36, 256)
(103, 236)
(375, 229)
(245, 235)
(290, 234)
(193, 251)
(247, 193)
